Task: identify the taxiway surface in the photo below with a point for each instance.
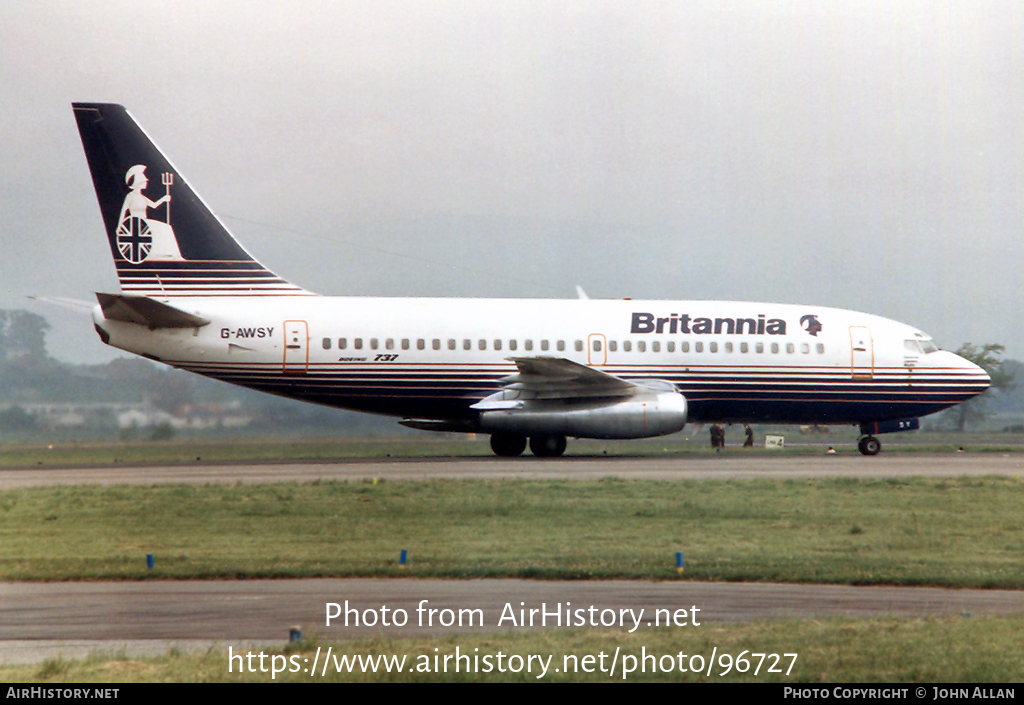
(42, 620)
(726, 466)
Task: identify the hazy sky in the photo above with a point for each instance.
(864, 155)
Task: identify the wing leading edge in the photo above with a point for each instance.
(555, 395)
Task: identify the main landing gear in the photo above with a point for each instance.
(509, 445)
(869, 445)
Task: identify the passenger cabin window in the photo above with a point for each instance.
(543, 345)
(389, 344)
(528, 345)
(759, 347)
(597, 344)
(482, 344)
(612, 346)
(512, 345)
(656, 346)
(641, 346)
(451, 343)
(821, 348)
(775, 347)
(626, 346)
(374, 343)
(421, 344)
(744, 348)
(790, 348)
(698, 347)
(713, 347)
(728, 347)
(342, 343)
(805, 348)
(327, 343)
(436, 343)
(467, 345)
(684, 346)
(497, 344)
(560, 345)
(357, 343)
(405, 343)
(671, 346)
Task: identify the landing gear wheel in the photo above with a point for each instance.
(869, 445)
(547, 446)
(508, 445)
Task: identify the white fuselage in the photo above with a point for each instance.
(433, 358)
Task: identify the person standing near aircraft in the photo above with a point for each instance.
(717, 436)
(749, 442)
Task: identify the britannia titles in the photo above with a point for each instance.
(683, 323)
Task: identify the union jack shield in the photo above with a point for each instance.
(134, 239)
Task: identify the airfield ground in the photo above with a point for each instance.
(911, 518)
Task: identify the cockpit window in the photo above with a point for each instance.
(912, 346)
(927, 344)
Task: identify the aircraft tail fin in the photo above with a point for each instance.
(164, 239)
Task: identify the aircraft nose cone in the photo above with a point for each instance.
(980, 377)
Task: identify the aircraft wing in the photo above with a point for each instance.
(147, 312)
(544, 373)
(556, 378)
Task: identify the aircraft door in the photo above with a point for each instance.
(862, 353)
(296, 346)
(597, 349)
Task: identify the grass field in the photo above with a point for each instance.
(966, 532)
(884, 650)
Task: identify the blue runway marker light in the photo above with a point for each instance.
(401, 561)
(679, 562)
(149, 561)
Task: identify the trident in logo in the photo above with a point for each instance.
(167, 178)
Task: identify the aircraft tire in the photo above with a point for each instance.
(547, 446)
(869, 445)
(508, 445)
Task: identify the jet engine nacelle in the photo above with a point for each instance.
(640, 416)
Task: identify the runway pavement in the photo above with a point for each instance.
(728, 466)
(42, 620)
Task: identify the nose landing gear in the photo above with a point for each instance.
(869, 445)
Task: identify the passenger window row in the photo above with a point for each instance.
(712, 347)
(451, 344)
(545, 346)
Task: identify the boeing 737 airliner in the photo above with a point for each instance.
(521, 370)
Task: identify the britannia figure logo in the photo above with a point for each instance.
(811, 324)
(139, 237)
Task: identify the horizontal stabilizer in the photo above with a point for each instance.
(84, 307)
(147, 312)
